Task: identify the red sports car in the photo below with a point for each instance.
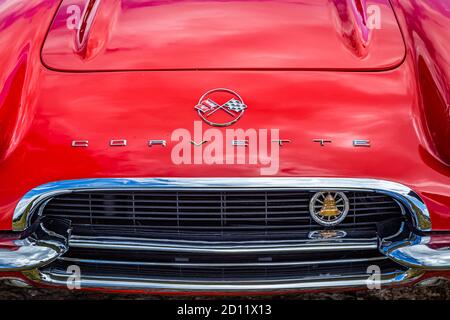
(224, 146)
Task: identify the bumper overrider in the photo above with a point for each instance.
(38, 241)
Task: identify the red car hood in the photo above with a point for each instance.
(193, 34)
(143, 106)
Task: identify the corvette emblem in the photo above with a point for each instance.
(220, 107)
(329, 208)
(326, 234)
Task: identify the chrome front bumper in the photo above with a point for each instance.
(31, 255)
(430, 253)
(156, 286)
(39, 248)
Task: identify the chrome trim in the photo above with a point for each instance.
(220, 107)
(361, 143)
(221, 265)
(118, 143)
(322, 141)
(281, 142)
(35, 197)
(157, 143)
(239, 143)
(80, 143)
(219, 247)
(38, 249)
(195, 144)
(157, 285)
(327, 234)
(418, 252)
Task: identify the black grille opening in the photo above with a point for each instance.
(250, 214)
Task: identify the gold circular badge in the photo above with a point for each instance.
(329, 208)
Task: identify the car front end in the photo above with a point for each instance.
(222, 147)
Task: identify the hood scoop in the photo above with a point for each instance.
(95, 35)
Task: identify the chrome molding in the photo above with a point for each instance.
(428, 253)
(40, 248)
(361, 143)
(157, 285)
(37, 196)
(220, 265)
(209, 247)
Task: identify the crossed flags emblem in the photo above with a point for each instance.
(208, 107)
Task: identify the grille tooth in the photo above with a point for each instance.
(256, 213)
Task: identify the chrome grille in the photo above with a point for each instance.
(217, 267)
(228, 273)
(231, 212)
(221, 234)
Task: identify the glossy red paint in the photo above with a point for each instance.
(425, 25)
(43, 110)
(174, 34)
